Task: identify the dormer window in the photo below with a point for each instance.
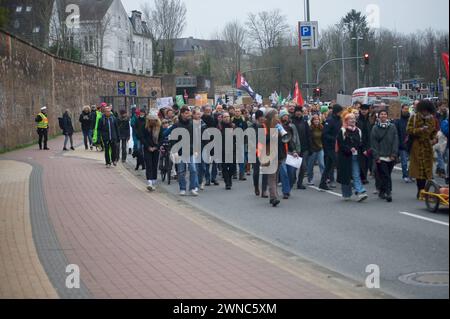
(36, 29)
(28, 9)
(19, 9)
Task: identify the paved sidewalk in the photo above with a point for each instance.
(21, 273)
(132, 244)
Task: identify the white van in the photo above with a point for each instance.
(375, 95)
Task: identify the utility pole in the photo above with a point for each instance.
(357, 62)
(399, 77)
(343, 63)
(308, 67)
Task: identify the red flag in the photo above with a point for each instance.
(445, 59)
(298, 97)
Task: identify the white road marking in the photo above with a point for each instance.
(329, 192)
(425, 218)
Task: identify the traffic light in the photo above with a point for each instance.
(367, 58)
(317, 92)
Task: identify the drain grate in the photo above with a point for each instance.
(427, 279)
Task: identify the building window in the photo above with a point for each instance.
(36, 29)
(91, 43)
(120, 60)
(19, 9)
(140, 48)
(120, 22)
(28, 9)
(133, 51)
(86, 44)
(16, 24)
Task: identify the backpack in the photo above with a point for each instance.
(61, 123)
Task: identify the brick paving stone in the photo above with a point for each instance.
(129, 244)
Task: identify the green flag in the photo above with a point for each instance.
(180, 100)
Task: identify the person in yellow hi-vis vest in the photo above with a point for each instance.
(42, 128)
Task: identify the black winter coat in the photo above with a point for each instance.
(304, 133)
(223, 129)
(331, 130)
(67, 124)
(148, 140)
(86, 120)
(402, 125)
(108, 129)
(124, 128)
(346, 140)
(366, 128)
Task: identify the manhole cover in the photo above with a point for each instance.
(431, 278)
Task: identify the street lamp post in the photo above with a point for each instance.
(357, 62)
(399, 77)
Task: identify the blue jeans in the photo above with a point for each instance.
(440, 160)
(87, 136)
(193, 175)
(404, 158)
(313, 158)
(209, 173)
(285, 178)
(357, 183)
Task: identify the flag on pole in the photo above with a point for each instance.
(298, 97)
(242, 84)
(445, 59)
(280, 99)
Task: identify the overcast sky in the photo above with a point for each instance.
(207, 17)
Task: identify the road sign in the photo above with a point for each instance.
(309, 85)
(308, 33)
(133, 88)
(121, 88)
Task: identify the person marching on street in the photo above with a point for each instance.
(42, 128)
(152, 138)
(109, 132)
(331, 130)
(365, 159)
(349, 145)
(293, 147)
(384, 141)
(422, 130)
(96, 139)
(185, 122)
(260, 123)
(304, 133)
(317, 154)
(87, 118)
(67, 129)
(228, 168)
(401, 125)
(139, 128)
(124, 134)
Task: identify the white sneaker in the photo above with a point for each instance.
(362, 197)
(310, 184)
(407, 180)
(202, 186)
(182, 193)
(194, 192)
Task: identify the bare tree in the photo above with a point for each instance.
(166, 20)
(234, 35)
(267, 29)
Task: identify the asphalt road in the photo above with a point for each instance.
(401, 237)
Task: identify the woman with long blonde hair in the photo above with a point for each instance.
(151, 140)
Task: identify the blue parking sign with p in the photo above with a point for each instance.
(306, 31)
